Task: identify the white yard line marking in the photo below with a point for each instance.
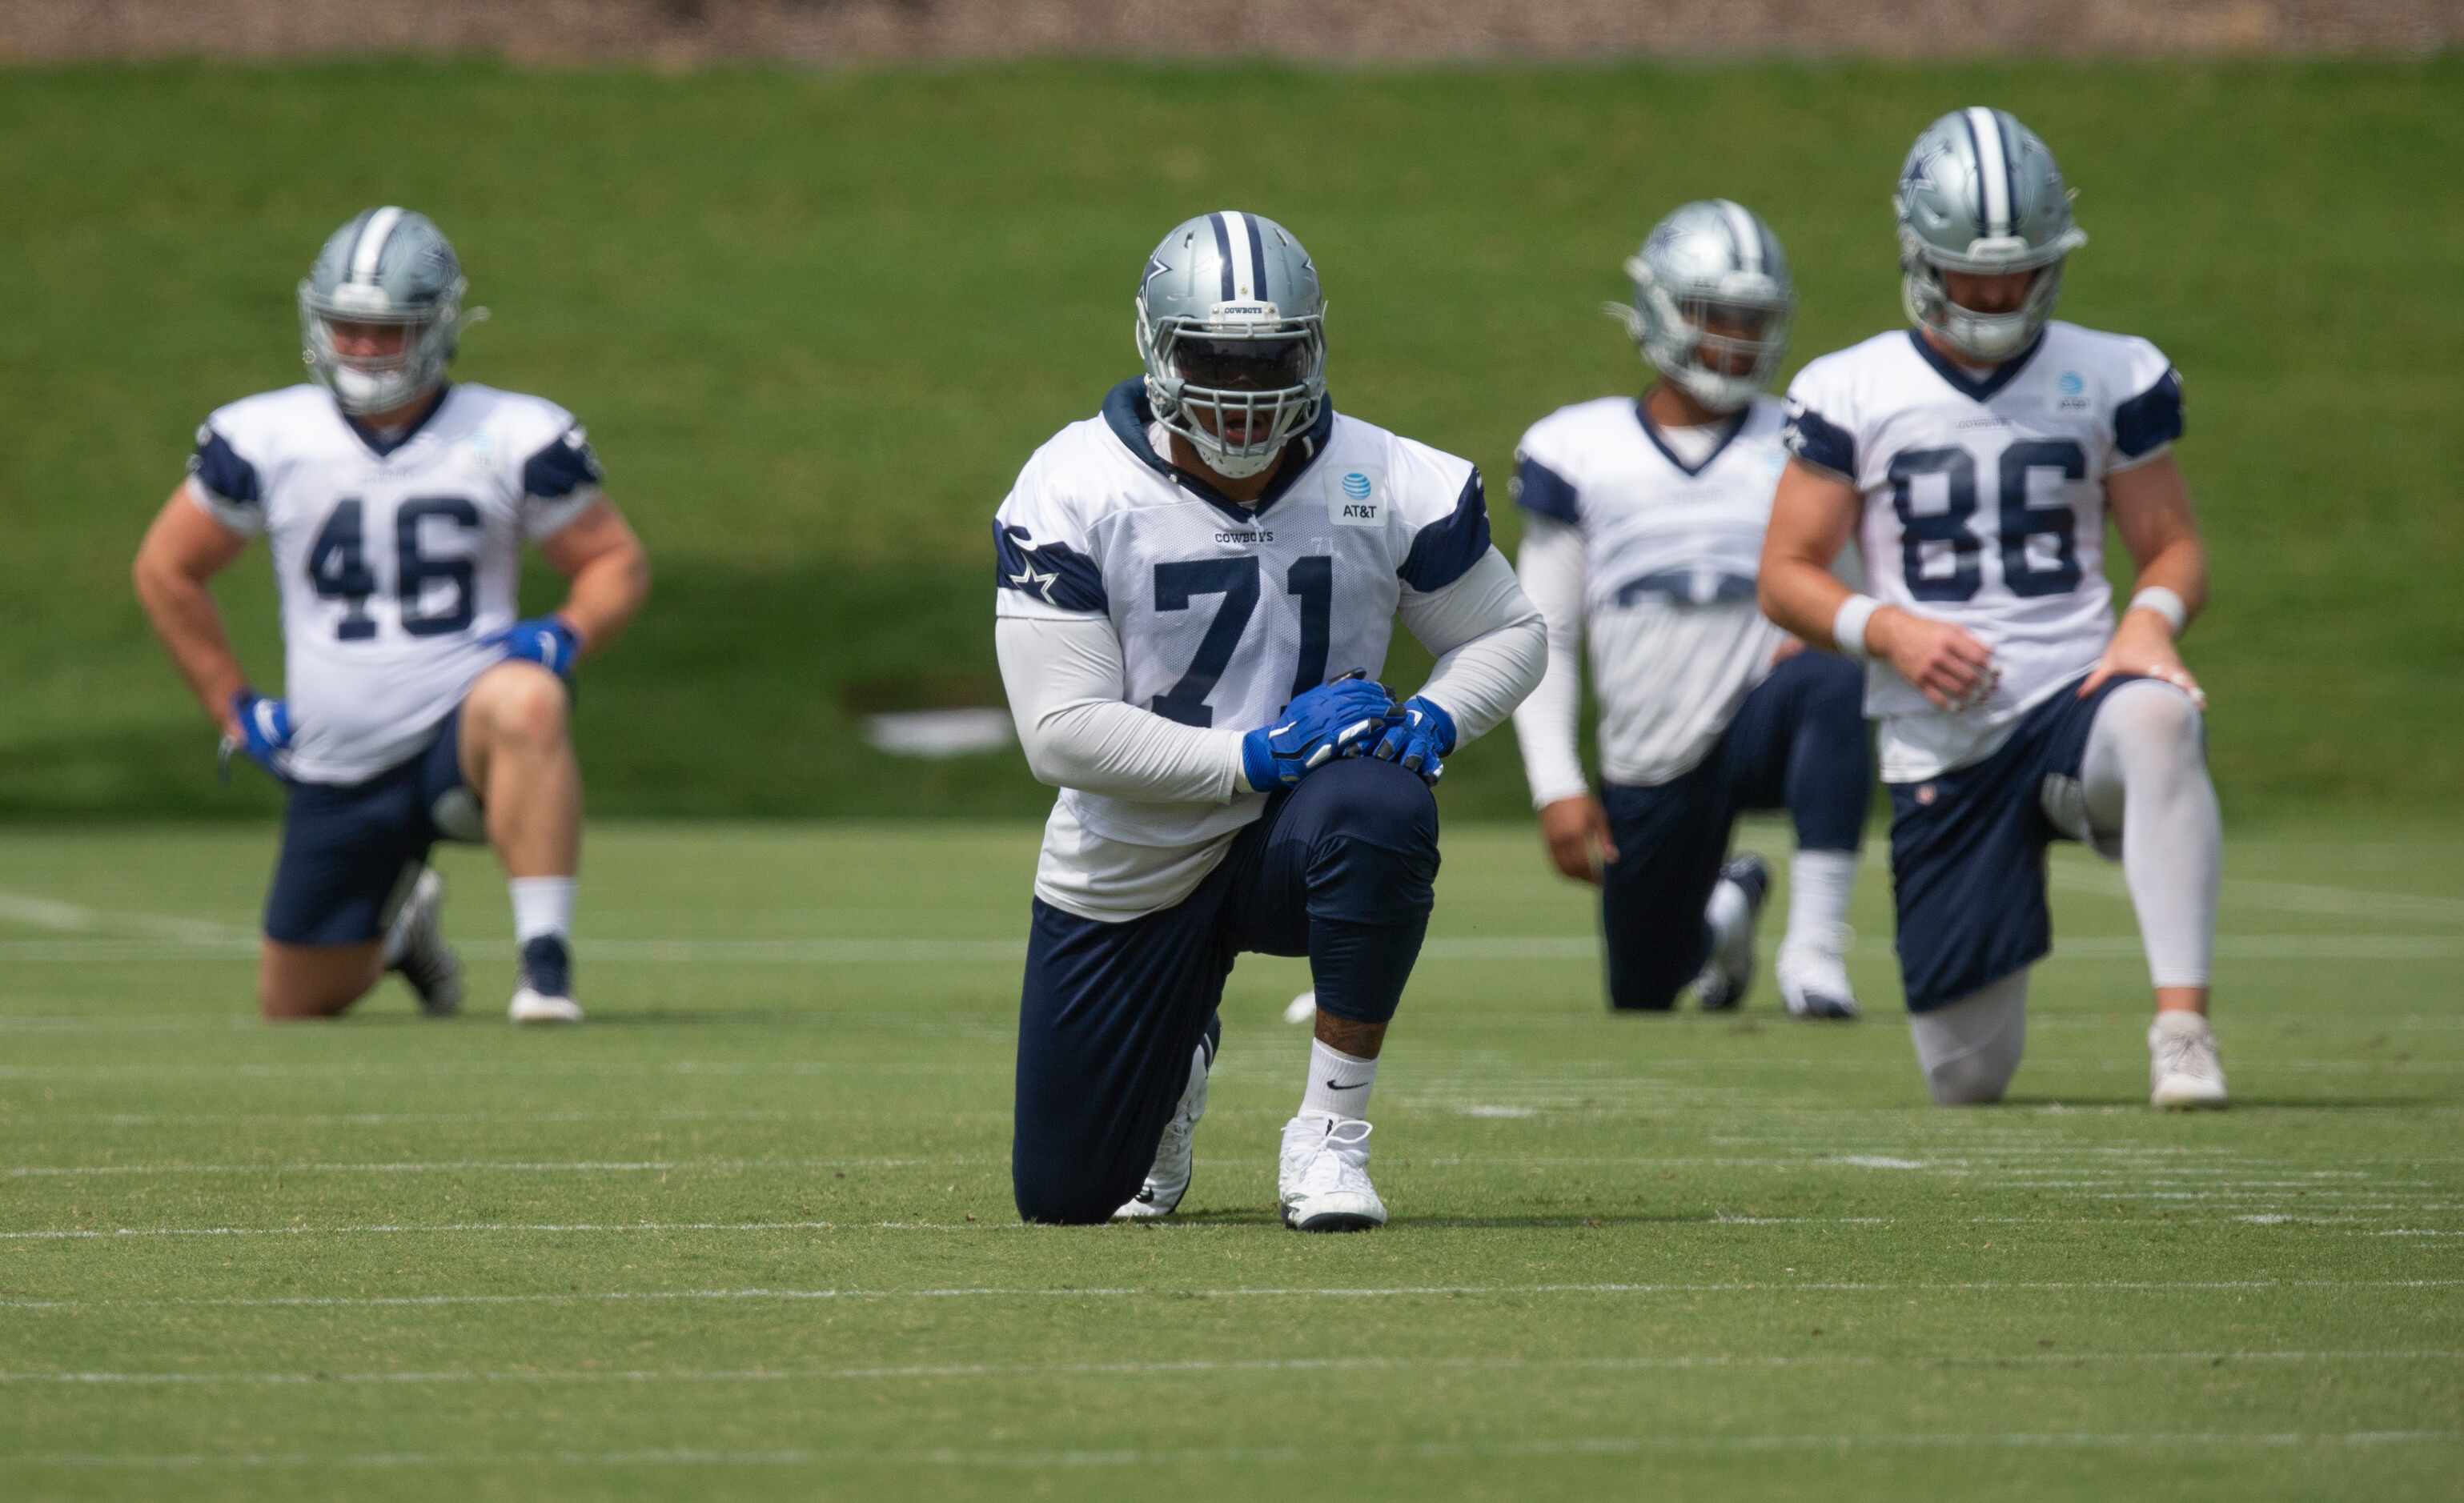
(2347, 1217)
(1490, 1083)
(1183, 1459)
(1202, 1367)
(1402, 1291)
(70, 918)
(2168, 1182)
(164, 938)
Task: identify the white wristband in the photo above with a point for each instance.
(2164, 602)
(1848, 628)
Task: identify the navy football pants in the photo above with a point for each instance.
(1339, 869)
(1798, 742)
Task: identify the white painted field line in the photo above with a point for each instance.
(1181, 1228)
(1570, 1086)
(2231, 1181)
(180, 945)
(69, 918)
(1170, 1460)
(1406, 1292)
(1714, 1362)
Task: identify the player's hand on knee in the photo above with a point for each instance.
(2143, 645)
(260, 730)
(1418, 740)
(1338, 719)
(548, 641)
(1577, 833)
(1948, 664)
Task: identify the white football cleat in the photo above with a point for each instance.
(1814, 977)
(529, 1006)
(1301, 1009)
(1728, 971)
(2184, 1070)
(546, 993)
(415, 947)
(1175, 1156)
(1325, 1176)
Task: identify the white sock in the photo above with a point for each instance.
(1819, 885)
(2146, 772)
(1338, 1084)
(1728, 912)
(541, 906)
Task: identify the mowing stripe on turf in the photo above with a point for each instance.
(1349, 1456)
(1714, 1362)
(1402, 1291)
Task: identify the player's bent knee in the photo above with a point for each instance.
(1057, 1201)
(1379, 801)
(2158, 717)
(296, 983)
(521, 704)
(1971, 1081)
(1970, 1049)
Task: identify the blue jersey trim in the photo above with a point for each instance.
(2150, 419)
(1969, 386)
(1818, 441)
(384, 447)
(1127, 413)
(219, 469)
(1727, 436)
(1542, 492)
(1444, 550)
(1055, 574)
(560, 468)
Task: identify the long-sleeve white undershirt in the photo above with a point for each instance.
(1547, 727)
(1064, 680)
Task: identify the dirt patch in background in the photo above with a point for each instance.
(686, 33)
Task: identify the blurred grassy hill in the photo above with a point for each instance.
(815, 323)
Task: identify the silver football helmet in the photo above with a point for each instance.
(1710, 263)
(1980, 193)
(388, 266)
(1232, 328)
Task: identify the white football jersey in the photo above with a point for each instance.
(1223, 611)
(1984, 505)
(393, 561)
(1670, 552)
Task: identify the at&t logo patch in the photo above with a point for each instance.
(1358, 501)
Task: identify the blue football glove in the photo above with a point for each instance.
(264, 734)
(545, 640)
(1420, 741)
(1332, 720)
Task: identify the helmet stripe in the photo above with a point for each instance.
(1745, 237)
(1241, 269)
(2007, 128)
(1257, 260)
(1223, 253)
(369, 250)
(1993, 169)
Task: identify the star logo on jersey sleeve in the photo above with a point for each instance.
(1035, 583)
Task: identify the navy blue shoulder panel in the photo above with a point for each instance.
(2150, 419)
(560, 468)
(1055, 574)
(219, 469)
(1542, 492)
(1445, 549)
(1819, 441)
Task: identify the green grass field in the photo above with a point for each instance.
(748, 1231)
(816, 321)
